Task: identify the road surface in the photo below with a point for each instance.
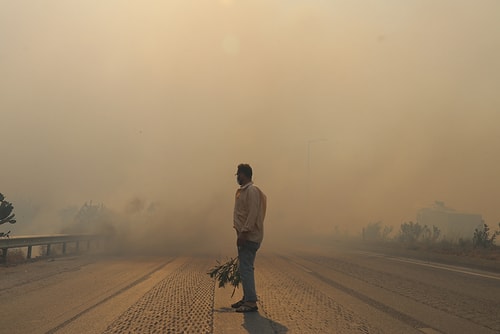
(329, 291)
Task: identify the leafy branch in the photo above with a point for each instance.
(6, 215)
(226, 273)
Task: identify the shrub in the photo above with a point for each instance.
(6, 215)
(414, 232)
(484, 238)
(410, 232)
(431, 236)
(376, 231)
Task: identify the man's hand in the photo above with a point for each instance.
(242, 239)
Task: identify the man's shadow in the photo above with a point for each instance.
(255, 323)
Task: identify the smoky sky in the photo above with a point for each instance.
(350, 112)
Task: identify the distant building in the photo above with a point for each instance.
(453, 224)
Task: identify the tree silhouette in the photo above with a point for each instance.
(6, 215)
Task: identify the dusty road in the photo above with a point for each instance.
(334, 291)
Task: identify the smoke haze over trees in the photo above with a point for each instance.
(148, 107)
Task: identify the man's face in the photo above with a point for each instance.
(240, 177)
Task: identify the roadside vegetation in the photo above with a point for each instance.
(6, 215)
(89, 219)
(418, 237)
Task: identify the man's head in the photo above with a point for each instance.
(244, 174)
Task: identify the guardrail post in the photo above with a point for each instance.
(48, 249)
(64, 248)
(4, 255)
(29, 252)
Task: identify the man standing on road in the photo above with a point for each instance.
(249, 213)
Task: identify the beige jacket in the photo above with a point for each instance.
(249, 212)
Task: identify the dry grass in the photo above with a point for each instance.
(15, 256)
(492, 254)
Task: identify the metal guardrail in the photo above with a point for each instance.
(46, 240)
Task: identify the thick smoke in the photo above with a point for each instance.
(148, 107)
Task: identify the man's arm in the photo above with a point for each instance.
(253, 213)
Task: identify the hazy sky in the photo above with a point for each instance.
(160, 100)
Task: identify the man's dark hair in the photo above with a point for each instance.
(246, 170)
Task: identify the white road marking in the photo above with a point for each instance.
(444, 267)
(434, 265)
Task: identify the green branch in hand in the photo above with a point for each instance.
(227, 273)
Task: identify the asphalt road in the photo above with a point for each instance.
(328, 291)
